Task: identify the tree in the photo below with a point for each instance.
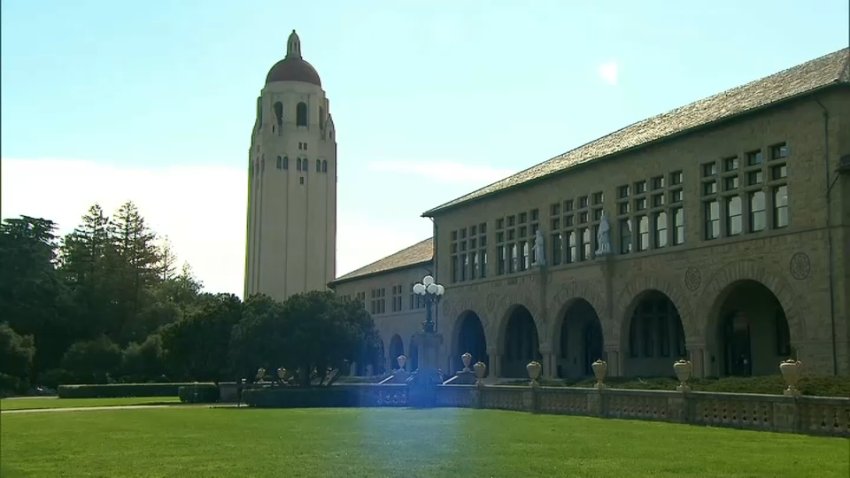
(32, 297)
(310, 333)
(145, 361)
(93, 361)
(196, 347)
(16, 354)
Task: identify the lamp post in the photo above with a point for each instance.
(431, 292)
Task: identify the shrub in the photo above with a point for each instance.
(143, 361)
(198, 393)
(55, 377)
(121, 390)
(92, 361)
(16, 353)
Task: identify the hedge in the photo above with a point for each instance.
(121, 390)
(309, 397)
(198, 393)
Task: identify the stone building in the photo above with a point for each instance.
(291, 243)
(719, 232)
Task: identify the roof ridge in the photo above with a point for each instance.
(373, 267)
(767, 90)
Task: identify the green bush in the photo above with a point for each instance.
(121, 390)
(198, 393)
(55, 377)
(307, 397)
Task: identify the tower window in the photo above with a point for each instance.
(301, 114)
(278, 113)
(279, 162)
(301, 180)
(305, 165)
(318, 166)
(325, 166)
(321, 118)
(286, 162)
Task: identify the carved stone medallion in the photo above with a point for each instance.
(800, 266)
(693, 278)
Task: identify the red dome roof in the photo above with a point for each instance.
(293, 69)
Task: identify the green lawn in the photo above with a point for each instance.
(53, 402)
(220, 442)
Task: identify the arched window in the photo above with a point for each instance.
(278, 113)
(318, 166)
(305, 165)
(279, 162)
(325, 166)
(286, 162)
(298, 164)
(301, 114)
(259, 113)
(321, 117)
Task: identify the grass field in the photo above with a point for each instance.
(395, 442)
(27, 403)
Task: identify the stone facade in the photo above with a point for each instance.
(729, 244)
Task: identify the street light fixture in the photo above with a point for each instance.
(431, 292)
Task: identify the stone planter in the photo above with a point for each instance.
(401, 361)
(600, 369)
(534, 368)
(466, 359)
(791, 373)
(683, 369)
(480, 369)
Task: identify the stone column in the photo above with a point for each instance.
(548, 361)
(613, 358)
(495, 364)
(697, 354)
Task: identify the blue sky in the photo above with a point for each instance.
(154, 101)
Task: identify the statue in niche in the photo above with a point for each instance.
(603, 236)
(539, 249)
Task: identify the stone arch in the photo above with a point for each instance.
(564, 299)
(719, 287)
(577, 338)
(519, 340)
(468, 335)
(630, 295)
(396, 349)
(652, 334)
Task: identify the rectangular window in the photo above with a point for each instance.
(582, 218)
(473, 271)
(709, 169)
(568, 221)
(758, 215)
(730, 183)
(709, 187)
(500, 260)
(754, 158)
(778, 151)
(780, 206)
(643, 233)
(676, 178)
(658, 200)
(454, 268)
(597, 214)
(500, 223)
(597, 198)
(279, 162)
(568, 205)
(734, 224)
(658, 182)
(730, 164)
(571, 247)
(678, 226)
(676, 196)
(779, 172)
(640, 204)
(754, 178)
(525, 260)
(483, 264)
(585, 244)
(523, 217)
(511, 221)
(464, 266)
(623, 191)
(640, 187)
(582, 202)
(555, 209)
(535, 214)
(661, 229)
(557, 248)
(712, 219)
(625, 236)
(513, 258)
(624, 207)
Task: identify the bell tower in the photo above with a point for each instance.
(291, 237)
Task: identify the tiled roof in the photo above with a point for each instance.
(416, 254)
(801, 79)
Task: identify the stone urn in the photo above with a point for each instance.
(480, 369)
(683, 369)
(534, 368)
(261, 372)
(600, 369)
(466, 359)
(281, 374)
(791, 373)
(401, 361)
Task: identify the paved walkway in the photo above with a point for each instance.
(118, 407)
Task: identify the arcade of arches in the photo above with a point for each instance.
(746, 333)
